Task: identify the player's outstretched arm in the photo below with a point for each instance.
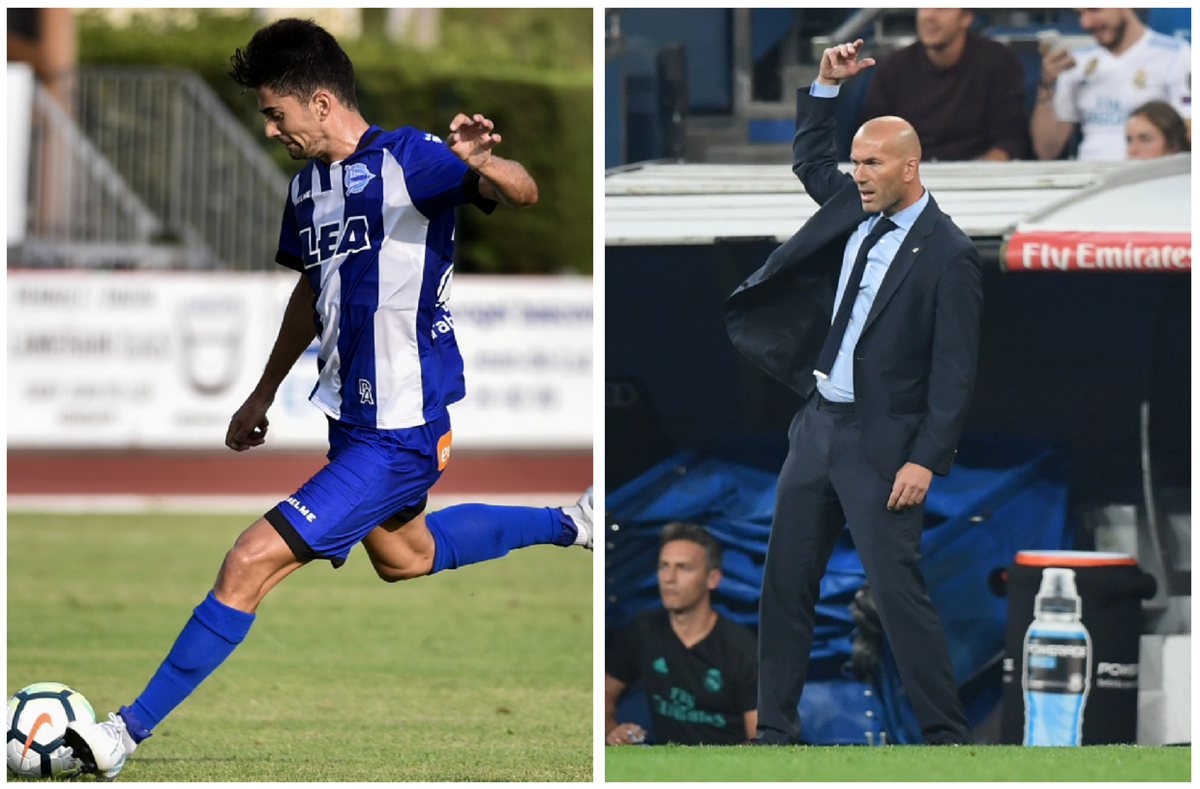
(472, 139)
(248, 426)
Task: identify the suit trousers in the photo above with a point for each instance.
(827, 481)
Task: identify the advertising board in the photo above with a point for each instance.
(162, 360)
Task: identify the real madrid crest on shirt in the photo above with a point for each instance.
(356, 178)
(713, 680)
(1139, 79)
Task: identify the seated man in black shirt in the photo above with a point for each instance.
(963, 93)
(699, 668)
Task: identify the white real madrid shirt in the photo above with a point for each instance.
(1102, 89)
(374, 234)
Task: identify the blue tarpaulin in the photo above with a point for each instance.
(1003, 495)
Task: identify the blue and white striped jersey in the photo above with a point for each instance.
(374, 234)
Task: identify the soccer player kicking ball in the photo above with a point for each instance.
(369, 225)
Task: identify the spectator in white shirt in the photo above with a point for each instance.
(1099, 85)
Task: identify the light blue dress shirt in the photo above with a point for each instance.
(824, 91)
(839, 386)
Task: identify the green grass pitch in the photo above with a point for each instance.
(477, 674)
(897, 763)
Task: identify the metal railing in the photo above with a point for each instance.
(192, 162)
(80, 209)
(147, 168)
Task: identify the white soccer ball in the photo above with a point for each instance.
(37, 718)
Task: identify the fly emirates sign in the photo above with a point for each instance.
(1051, 250)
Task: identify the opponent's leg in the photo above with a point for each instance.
(469, 533)
(257, 562)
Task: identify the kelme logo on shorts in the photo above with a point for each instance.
(713, 681)
(308, 514)
(660, 665)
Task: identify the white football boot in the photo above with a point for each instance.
(580, 514)
(102, 747)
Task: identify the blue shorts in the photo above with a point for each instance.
(372, 476)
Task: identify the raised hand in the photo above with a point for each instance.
(471, 139)
(840, 63)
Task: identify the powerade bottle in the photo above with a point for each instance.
(1057, 663)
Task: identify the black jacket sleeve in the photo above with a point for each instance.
(814, 149)
(953, 361)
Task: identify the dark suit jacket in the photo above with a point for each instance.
(914, 365)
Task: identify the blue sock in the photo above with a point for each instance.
(207, 639)
(470, 533)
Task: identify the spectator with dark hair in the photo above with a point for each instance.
(963, 93)
(1098, 85)
(1155, 129)
(698, 667)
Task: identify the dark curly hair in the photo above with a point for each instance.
(680, 530)
(295, 57)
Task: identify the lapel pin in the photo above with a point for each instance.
(916, 249)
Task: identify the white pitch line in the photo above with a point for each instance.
(253, 503)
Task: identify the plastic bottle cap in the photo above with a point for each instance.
(1072, 559)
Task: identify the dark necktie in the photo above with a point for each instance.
(838, 330)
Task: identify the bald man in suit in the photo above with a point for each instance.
(871, 312)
